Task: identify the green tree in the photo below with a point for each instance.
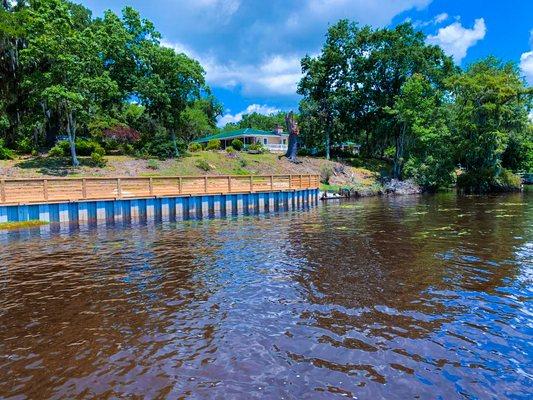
(490, 111)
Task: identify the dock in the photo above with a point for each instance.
(129, 198)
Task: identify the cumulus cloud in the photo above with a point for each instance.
(275, 75)
(260, 109)
(526, 64)
(455, 39)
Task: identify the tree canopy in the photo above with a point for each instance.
(64, 73)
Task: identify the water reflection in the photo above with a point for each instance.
(405, 297)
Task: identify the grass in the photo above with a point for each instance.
(21, 225)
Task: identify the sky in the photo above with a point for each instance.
(251, 49)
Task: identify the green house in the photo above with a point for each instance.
(275, 140)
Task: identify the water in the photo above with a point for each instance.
(407, 297)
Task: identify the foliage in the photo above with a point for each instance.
(230, 150)
(237, 144)
(257, 121)
(122, 134)
(490, 112)
(5, 153)
(63, 72)
(85, 147)
(203, 165)
(326, 172)
(152, 164)
(194, 147)
(213, 145)
(98, 160)
(160, 146)
(256, 148)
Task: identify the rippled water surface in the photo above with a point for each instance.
(407, 297)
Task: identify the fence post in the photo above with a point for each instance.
(229, 184)
(309, 179)
(251, 184)
(3, 191)
(179, 185)
(301, 182)
(119, 188)
(45, 189)
(151, 186)
(83, 188)
(205, 184)
(290, 181)
(271, 182)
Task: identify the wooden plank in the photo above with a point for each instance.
(13, 190)
(3, 190)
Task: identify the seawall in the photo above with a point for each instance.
(163, 208)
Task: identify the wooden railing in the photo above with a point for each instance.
(14, 191)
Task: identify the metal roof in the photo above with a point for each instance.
(239, 133)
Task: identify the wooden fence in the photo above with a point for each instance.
(14, 191)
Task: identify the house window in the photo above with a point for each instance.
(265, 141)
(284, 141)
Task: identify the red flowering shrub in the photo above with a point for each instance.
(122, 134)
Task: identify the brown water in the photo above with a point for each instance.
(408, 297)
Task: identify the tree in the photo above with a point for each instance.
(490, 110)
(351, 86)
(294, 131)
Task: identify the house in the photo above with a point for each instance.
(275, 140)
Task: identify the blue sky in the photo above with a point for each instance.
(251, 48)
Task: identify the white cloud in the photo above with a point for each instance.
(260, 109)
(436, 20)
(526, 63)
(455, 39)
(276, 75)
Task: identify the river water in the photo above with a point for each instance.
(396, 298)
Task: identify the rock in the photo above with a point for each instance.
(408, 186)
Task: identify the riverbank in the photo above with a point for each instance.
(340, 175)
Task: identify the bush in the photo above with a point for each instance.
(486, 181)
(203, 165)
(58, 150)
(160, 145)
(256, 148)
(98, 160)
(237, 144)
(213, 145)
(5, 153)
(25, 146)
(194, 147)
(84, 147)
(152, 164)
(326, 172)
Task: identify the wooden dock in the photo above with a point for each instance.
(28, 191)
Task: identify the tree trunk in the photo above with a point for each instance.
(398, 154)
(328, 143)
(292, 128)
(175, 144)
(71, 130)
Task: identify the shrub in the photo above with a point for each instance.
(126, 149)
(25, 146)
(5, 153)
(98, 160)
(256, 148)
(59, 149)
(237, 144)
(194, 147)
(122, 134)
(485, 181)
(152, 164)
(159, 146)
(326, 172)
(84, 147)
(203, 165)
(213, 145)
